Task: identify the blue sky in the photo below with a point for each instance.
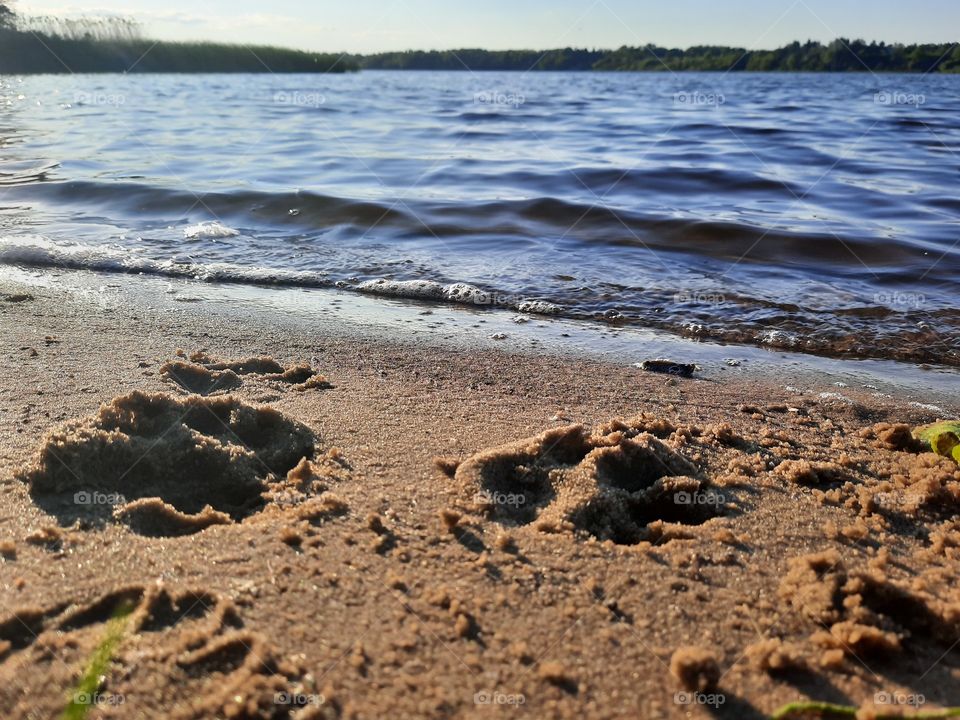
(374, 25)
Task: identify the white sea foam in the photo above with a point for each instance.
(39, 251)
(462, 293)
(209, 231)
(779, 338)
(416, 289)
(468, 294)
(539, 307)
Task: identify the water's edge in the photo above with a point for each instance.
(330, 312)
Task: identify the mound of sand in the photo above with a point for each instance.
(863, 613)
(204, 375)
(612, 483)
(198, 379)
(166, 465)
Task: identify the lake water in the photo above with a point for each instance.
(818, 213)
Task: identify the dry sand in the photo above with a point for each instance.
(311, 525)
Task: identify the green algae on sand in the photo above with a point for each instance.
(84, 695)
(942, 437)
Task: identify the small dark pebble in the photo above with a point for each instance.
(669, 367)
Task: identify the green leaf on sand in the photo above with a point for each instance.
(83, 696)
(943, 438)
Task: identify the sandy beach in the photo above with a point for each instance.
(365, 528)
(458, 361)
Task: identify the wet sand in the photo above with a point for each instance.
(307, 523)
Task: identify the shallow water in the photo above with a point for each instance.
(810, 212)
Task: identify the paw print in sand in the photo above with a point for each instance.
(612, 483)
(182, 654)
(167, 466)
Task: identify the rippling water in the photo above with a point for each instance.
(814, 212)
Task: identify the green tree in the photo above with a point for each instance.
(952, 62)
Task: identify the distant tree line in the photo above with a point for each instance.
(841, 55)
(476, 59)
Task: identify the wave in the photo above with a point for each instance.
(37, 251)
(297, 208)
(595, 222)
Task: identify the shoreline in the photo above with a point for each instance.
(409, 322)
(380, 577)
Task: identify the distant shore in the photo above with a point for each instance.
(841, 55)
(27, 52)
